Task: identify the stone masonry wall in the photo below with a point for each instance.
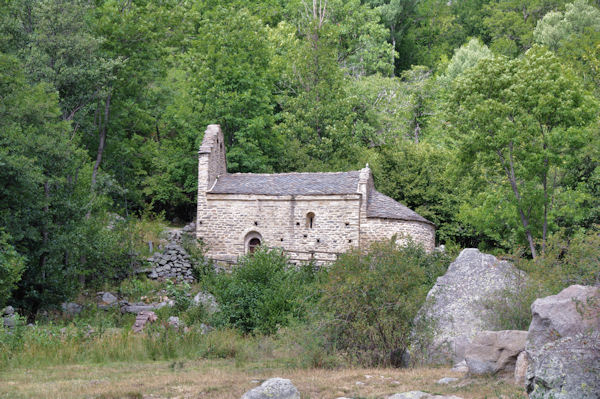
(281, 221)
(377, 229)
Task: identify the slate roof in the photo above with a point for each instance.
(381, 206)
(320, 183)
(287, 183)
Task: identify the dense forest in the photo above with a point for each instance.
(481, 115)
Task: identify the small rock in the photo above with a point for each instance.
(205, 329)
(274, 388)
(447, 380)
(9, 322)
(521, 369)
(207, 300)
(174, 322)
(71, 308)
(359, 383)
(142, 319)
(410, 395)
(460, 367)
(108, 298)
(8, 311)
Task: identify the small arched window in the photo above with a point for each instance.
(253, 245)
(252, 241)
(310, 220)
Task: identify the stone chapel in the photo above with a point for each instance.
(309, 215)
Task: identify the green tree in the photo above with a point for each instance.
(229, 77)
(11, 268)
(517, 123)
(465, 57)
(39, 205)
(510, 23)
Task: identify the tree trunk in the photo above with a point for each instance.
(102, 140)
(510, 173)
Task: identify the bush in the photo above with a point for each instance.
(565, 261)
(371, 299)
(263, 292)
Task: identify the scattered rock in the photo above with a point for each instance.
(9, 321)
(143, 318)
(71, 308)
(190, 227)
(420, 395)
(208, 301)
(495, 351)
(108, 298)
(8, 311)
(521, 369)
(174, 322)
(359, 383)
(447, 380)
(454, 304)
(141, 307)
(274, 388)
(460, 367)
(410, 395)
(563, 346)
(205, 329)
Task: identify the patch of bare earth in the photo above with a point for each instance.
(225, 379)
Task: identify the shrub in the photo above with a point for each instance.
(565, 261)
(371, 299)
(263, 292)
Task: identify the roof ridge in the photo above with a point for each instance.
(287, 173)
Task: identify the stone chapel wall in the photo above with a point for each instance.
(281, 221)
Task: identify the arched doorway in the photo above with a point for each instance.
(252, 241)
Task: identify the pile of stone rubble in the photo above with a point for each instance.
(173, 262)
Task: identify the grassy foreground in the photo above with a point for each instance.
(226, 378)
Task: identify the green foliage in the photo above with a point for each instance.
(422, 177)
(11, 268)
(371, 299)
(264, 292)
(517, 122)
(510, 23)
(465, 57)
(180, 293)
(565, 261)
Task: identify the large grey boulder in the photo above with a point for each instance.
(566, 368)
(455, 305)
(109, 298)
(563, 345)
(493, 352)
(274, 388)
(573, 310)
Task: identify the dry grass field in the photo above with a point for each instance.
(220, 379)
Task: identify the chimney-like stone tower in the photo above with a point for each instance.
(211, 165)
